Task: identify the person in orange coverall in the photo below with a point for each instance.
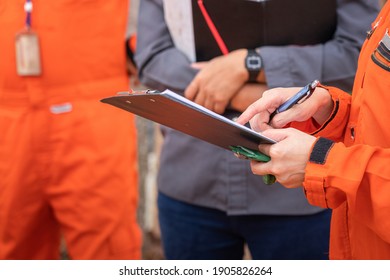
(68, 163)
(349, 170)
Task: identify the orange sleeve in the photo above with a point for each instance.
(359, 174)
(334, 127)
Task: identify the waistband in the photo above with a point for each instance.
(35, 93)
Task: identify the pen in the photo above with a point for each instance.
(299, 97)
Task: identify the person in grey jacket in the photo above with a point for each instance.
(210, 204)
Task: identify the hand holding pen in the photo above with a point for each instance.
(261, 112)
(286, 139)
(299, 97)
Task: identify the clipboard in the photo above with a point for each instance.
(177, 112)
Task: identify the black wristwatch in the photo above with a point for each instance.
(253, 64)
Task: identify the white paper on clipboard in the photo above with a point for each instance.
(178, 16)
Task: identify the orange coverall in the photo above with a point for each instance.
(68, 163)
(354, 179)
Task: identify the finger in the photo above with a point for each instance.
(250, 112)
(259, 122)
(268, 103)
(219, 107)
(265, 148)
(300, 112)
(277, 134)
(201, 99)
(282, 119)
(198, 65)
(264, 126)
(191, 91)
(208, 103)
(260, 168)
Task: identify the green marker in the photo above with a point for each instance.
(246, 153)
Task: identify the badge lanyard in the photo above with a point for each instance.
(213, 29)
(28, 62)
(28, 9)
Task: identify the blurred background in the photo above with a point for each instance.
(149, 141)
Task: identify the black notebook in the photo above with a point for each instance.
(254, 23)
(175, 111)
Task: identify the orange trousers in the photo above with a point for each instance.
(68, 167)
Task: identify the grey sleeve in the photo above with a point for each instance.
(159, 63)
(132, 17)
(334, 62)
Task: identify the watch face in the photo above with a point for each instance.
(253, 62)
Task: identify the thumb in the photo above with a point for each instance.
(276, 134)
(198, 65)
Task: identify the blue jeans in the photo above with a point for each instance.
(191, 232)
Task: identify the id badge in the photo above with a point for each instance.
(28, 61)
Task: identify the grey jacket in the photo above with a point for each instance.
(202, 174)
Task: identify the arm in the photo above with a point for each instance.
(332, 63)
(358, 174)
(218, 81)
(332, 173)
(222, 82)
(247, 95)
(160, 64)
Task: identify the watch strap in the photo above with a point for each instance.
(253, 71)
